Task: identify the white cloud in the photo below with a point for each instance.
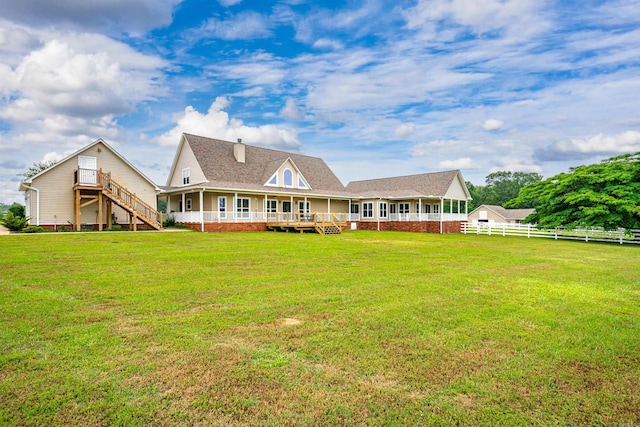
(516, 166)
(227, 3)
(328, 44)
(217, 124)
(404, 130)
(461, 163)
(82, 76)
(492, 124)
(244, 26)
(521, 17)
(291, 111)
(132, 16)
(627, 142)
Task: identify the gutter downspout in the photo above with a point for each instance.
(202, 210)
(378, 213)
(441, 212)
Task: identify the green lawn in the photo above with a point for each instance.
(364, 328)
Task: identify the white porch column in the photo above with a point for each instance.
(349, 213)
(235, 204)
(184, 201)
(450, 207)
(168, 209)
(202, 210)
(419, 209)
(458, 208)
(328, 205)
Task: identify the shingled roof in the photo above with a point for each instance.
(217, 161)
(434, 184)
(514, 214)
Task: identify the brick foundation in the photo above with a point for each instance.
(448, 227)
(213, 227)
(91, 227)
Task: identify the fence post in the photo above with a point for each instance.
(556, 234)
(528, 230)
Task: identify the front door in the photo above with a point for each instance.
(87, 166)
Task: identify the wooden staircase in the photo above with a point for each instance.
(101, 185)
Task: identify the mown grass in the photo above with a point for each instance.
(364, 328)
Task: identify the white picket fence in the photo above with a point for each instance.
(620, 236)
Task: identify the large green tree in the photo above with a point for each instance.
(605, 194)
(501, 187)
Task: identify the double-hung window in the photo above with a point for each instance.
(383, 209)
(222, 206)
(271, 206)
(403, 208)
(367, 210)
(304, 207)
(436, 209)
(186, 176)
(243, 208)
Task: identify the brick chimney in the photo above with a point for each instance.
(238, 151)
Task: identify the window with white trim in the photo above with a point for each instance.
(222, 206)
(271, 206)
(436, 208)
(304, 207)
(427, 208)
(367, 210)
(393, 208)
(287, 177)
(243, 207)
(301, 183)
(186, 176)
(383, 209)
(189, 204)
(403, 208)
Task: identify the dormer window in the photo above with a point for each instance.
(288, 176)
(186, 176)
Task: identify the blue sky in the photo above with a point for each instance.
(375, 88)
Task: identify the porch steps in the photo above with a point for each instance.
(328, 229)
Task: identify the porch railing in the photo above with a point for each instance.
(296, 217)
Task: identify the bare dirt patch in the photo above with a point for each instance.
(288, 321)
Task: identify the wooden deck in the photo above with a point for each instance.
(321, 223)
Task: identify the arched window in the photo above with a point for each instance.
(288, 178)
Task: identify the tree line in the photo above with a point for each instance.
(603, 195)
